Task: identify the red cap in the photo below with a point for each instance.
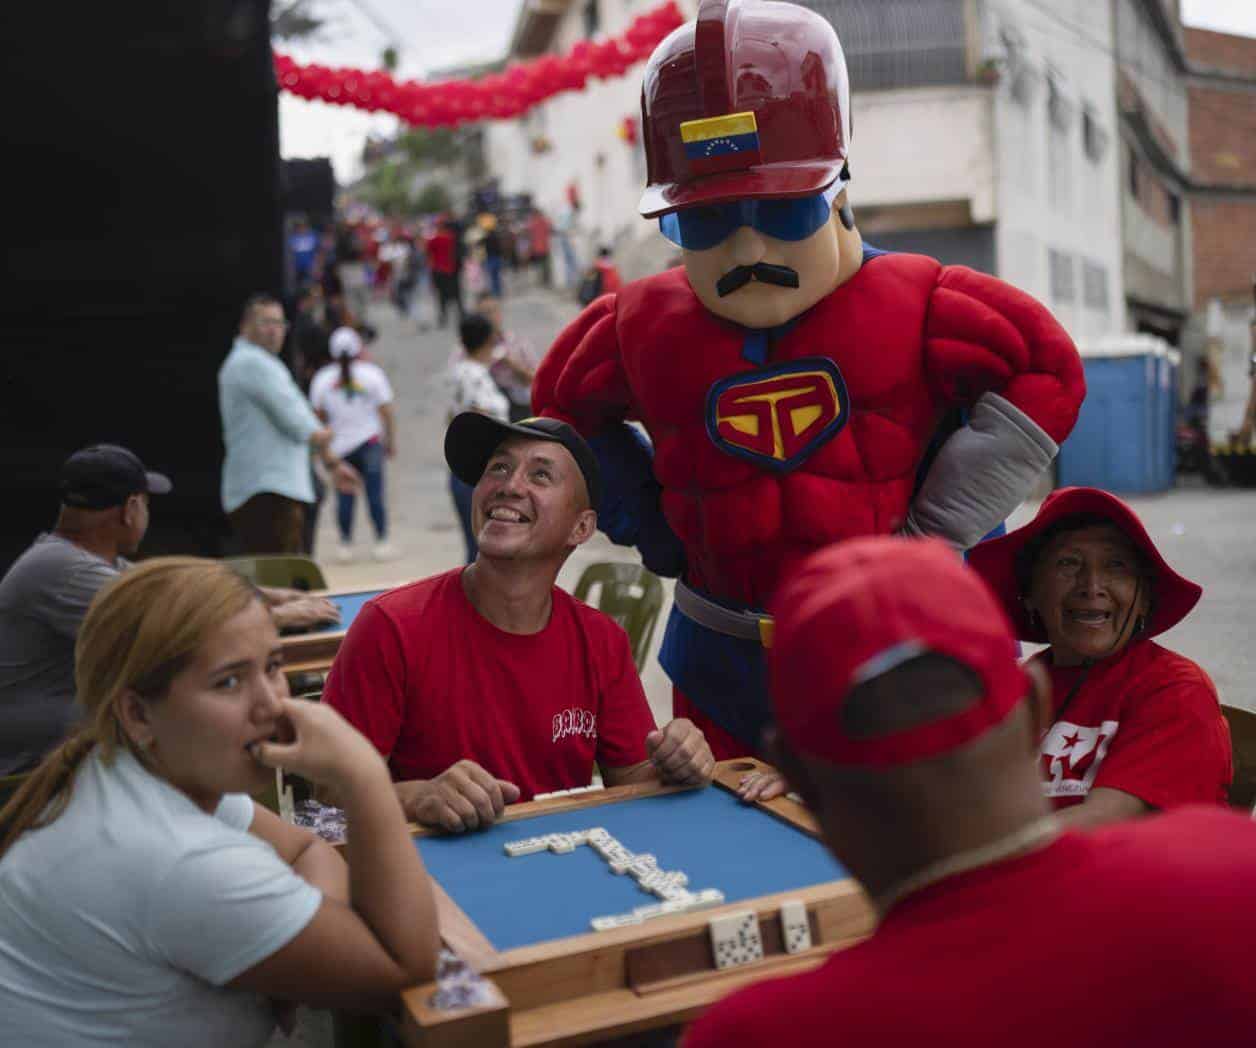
(995, 561)
(858, 609)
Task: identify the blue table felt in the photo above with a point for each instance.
(718, 841)
(349, 604)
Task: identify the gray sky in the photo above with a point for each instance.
(435, 34)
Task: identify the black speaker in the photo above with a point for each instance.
(145, 207)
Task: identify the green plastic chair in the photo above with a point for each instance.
(280, 571)
(630, 595)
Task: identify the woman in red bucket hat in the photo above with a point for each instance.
(1136, 727)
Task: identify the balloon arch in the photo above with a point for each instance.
(498, 96)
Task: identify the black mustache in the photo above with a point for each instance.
(740, 276)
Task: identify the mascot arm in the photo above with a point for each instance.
(992, 346)
(581, 381)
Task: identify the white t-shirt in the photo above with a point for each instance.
(353, 419)
(121, 921)
(471, 388)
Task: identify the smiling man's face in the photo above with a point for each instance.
(531, 502)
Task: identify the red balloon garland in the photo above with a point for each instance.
(498, 96)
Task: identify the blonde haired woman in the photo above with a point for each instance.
(144, 898)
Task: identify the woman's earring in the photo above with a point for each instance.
(1139, 623)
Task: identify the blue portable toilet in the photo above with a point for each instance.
(1124, 437)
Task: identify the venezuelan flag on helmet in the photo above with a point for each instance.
(721, 143)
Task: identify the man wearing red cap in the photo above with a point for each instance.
(791, 377)
(914, 742)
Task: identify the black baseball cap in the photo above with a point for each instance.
(107, 475)
(472, 438)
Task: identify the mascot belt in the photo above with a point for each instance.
(714, 654)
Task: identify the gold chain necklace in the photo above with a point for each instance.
(1038, 832)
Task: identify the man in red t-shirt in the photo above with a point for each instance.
(488, 684)
(442, 262)
(911, 732)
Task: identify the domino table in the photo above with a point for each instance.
(313, 651)
(524, 921)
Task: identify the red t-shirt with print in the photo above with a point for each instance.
(1145, 721)
(430, 682)
(1134, 934)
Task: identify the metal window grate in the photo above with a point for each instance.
(1063, 282)
(899, 43)
(1094, 285)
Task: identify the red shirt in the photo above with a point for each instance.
(440, 252)
(430, 681)
(1137, 934)
(610, 276)
(539, 233)
(1146, 721)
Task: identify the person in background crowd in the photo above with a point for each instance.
(104, 515)
(268, 429)
(303, 250)
(460, 679)
(602, 278)
(565, 232)
(491, 245)
(351, 269)
(910, 731)
(354, 398)
(443, 263)
(145, 899)
(539, 230)
(472, 389)
(514, 361)
(605, 265)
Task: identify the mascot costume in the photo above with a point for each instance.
(791, 378)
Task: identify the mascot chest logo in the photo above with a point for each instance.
(779, 416)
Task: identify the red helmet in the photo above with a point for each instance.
(750, 100)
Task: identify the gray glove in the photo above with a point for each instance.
(983, 472)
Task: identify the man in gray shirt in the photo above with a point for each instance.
(44, 596)
(46, 593)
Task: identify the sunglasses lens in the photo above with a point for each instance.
(792, 219)
(700, 228)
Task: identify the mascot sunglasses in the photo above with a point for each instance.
(702, 227)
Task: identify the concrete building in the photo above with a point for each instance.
(983, 136)
(1221, 99)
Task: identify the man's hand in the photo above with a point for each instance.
(304, 613)
(761, 786)
(345, 478)
(680, 754)
(464, 797)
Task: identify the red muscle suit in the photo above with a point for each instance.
(773, 440)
